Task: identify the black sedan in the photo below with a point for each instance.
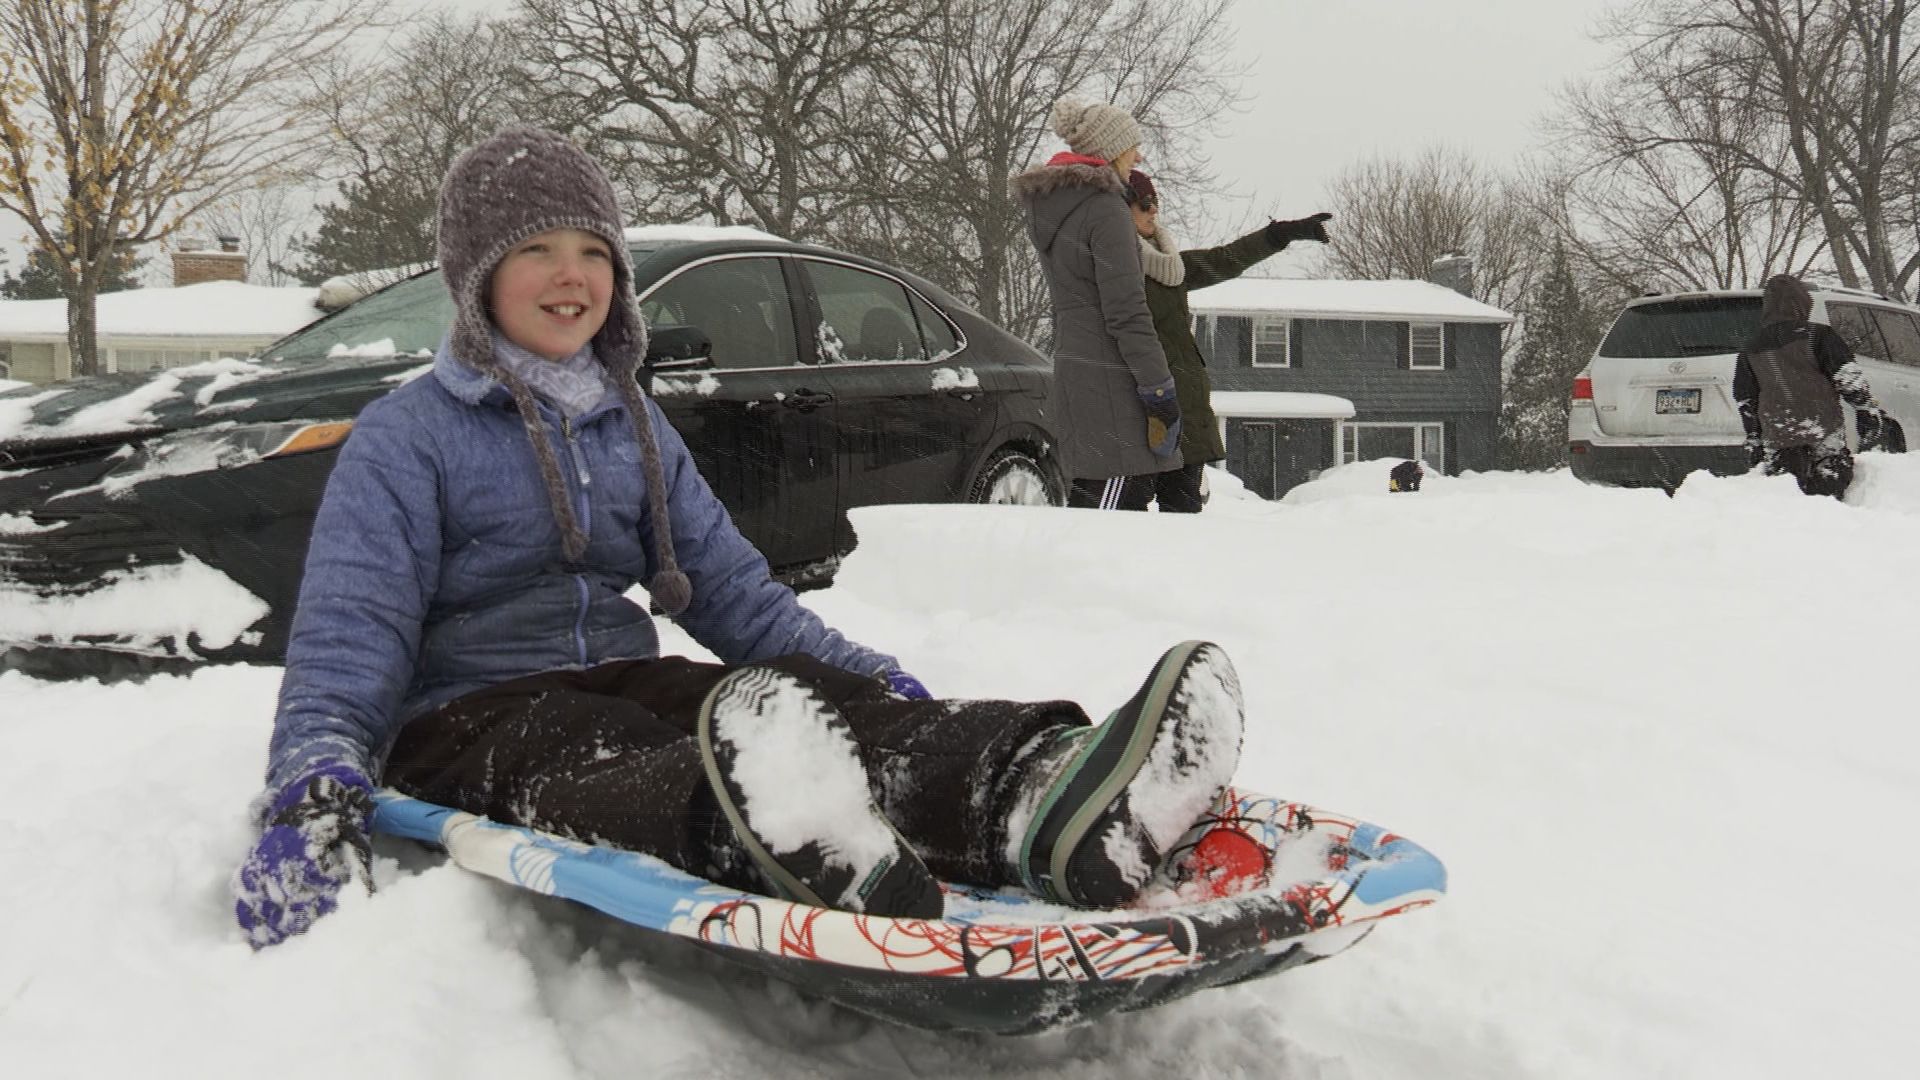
(806, 382)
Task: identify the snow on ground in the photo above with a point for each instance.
(1663, 746)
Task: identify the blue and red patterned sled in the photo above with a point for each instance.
(1258, 886)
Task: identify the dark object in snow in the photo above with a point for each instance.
(1405, 476)
(1001, 961)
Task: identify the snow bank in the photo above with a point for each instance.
(1660, 743)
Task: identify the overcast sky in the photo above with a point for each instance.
(1333, 83)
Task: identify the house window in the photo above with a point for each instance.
(1270, 343)
(1367, 442)
(1427, 346)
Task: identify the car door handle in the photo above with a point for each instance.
(806, 400)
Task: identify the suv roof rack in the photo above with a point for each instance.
(1856, 292)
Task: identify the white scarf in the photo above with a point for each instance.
(573, 385)
(1160, 258)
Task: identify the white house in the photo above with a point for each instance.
(151, 329)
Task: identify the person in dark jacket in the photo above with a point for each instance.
(1114, 404)
(462, 635)
(1171, 275)
(1789, 382)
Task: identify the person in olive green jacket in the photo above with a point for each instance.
(1171, 274)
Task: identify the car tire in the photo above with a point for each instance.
(1013, 477)
(1893, 438)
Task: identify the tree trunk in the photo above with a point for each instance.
(82, 326)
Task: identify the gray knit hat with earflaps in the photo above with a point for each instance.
(517, 184)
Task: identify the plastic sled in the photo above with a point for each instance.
(1259, 886)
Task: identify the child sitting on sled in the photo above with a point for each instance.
(462, 635)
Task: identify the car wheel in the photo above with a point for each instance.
(1893, 438)
(1014, 478)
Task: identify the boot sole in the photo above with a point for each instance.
(893, 880)
(1085, 790)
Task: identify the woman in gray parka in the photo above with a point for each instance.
(1113, 403)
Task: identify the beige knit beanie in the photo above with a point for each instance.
(1094, 128)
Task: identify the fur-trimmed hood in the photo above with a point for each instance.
(1051, 193)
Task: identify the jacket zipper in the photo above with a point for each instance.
(584, 510)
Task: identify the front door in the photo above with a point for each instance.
(757, 418)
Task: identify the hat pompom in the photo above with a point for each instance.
(671, 590)
(1069, 115)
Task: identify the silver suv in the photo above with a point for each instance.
(1656, 402)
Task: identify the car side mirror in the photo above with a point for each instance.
(670, 347)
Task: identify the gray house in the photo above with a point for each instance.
(1419, 362)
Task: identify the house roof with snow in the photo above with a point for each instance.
(215, 309)
(1331, 299)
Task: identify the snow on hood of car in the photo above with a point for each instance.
(133, 409)
(149, 610)
(21, 525)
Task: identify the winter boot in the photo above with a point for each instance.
(784, 768)
(1096, 810)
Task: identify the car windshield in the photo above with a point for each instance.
(410, 317)
(1700, 327)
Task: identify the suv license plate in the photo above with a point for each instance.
(1676, 401)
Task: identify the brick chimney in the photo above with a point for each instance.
(1455, 272)
(192, 266)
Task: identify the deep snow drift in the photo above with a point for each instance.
(1663, 746)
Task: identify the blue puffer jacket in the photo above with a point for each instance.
(436, 568)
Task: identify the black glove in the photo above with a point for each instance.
(1163, 417)
(1872, 425)
(1312, 228)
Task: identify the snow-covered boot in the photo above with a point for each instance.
(784, 768)
(1096, 810)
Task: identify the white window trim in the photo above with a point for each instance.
(1413, 361)
(1258, 322)
(1341, 454)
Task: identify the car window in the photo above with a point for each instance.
(935, 330)
(864, 318)
(1901, 333)
(741, 304)
(410, 317)
(1855, 326)
(1696, 327)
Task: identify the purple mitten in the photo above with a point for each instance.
(906, 685)
(316, 833)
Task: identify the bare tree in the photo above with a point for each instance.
(732, 110)
(266, 218)
(393, 132)
(1809, 103)
(121, 118)
(1669, 178)
(1397, 217)
(966, 104)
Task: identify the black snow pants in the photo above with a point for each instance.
(1818, 472)
(607, 756)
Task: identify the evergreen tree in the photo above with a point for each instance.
(1562, 329)
(39, 279)
(380, 222)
